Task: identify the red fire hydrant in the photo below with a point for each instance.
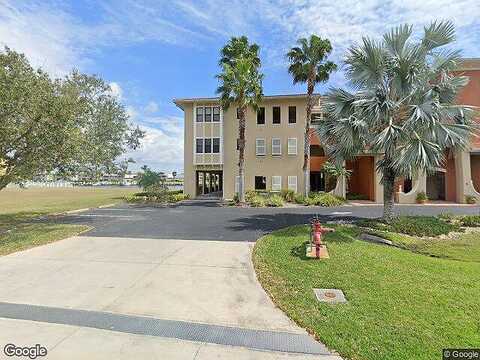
(317, 231)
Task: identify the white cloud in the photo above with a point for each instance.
(162, 147)
(151, 107)
(116, 90)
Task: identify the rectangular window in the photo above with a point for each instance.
(260, 147)
(276, 183)
(260, 183)
(238, 113)
(199, 114)
(276, 115)
(216, 145)
(199, 146)
(292, 146)
(261, 116)
(216, 114)
(208, 114)
(292, 114)
(238, 144)
(208, 146)
(276, 146)
(292, 183)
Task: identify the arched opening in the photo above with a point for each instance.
(436, 185)
(361, 184)
(475, 169)
(442, 184)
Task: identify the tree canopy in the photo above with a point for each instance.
(72, 125)
(403, 106)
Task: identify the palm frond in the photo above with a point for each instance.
(438, 33)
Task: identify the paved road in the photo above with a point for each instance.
(206, 220)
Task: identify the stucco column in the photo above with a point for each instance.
(464, 184)
(378, 189)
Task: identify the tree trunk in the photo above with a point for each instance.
(306, 153)
(241, 155)
(388, 194)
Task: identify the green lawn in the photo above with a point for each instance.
(402, 304)
(18, 230)
(51, 200)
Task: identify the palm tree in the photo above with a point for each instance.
(308, 65)
(239, 47)
(403, 106)
(240, 84)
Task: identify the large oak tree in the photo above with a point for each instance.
(72, 125)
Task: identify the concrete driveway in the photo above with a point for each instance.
(175, 299)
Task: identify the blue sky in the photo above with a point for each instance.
(153, 51)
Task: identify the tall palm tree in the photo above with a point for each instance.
(403, 107)
(241, 84)
(308, 65)
(239, 47)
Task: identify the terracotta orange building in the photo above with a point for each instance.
(458, 178)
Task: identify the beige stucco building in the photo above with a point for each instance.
(274, 152)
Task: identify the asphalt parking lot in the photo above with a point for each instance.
(208, 220)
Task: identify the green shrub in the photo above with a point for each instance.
(324, 199)
(470, 220)
(288, 195)
(132, 198)
(257, 201)
(250, 195)
(413, 225)
(353, 196)
(274, 201)
(176, 197)
(299, 199)
(470, 199)
(421, 196)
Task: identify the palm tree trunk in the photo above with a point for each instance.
(388, 194)
(241, 155)
(306, 153)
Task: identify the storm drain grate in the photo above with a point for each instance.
(215, 334)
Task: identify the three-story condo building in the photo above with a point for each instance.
(274, 152)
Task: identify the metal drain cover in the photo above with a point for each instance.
(332, 296)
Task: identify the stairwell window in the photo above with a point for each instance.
(260, 147)
(292, 114)
(216, 145)
(276, 115)
(199, 146)
(216, 114)
(208, 146)
(208, 114)
(276, 146)
(276, 183)
(292, 183)
(199, 114)
(292, 146)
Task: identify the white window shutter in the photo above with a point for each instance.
(237, 184)
(292, 183)
(276, 183)
(276, 146)
(292, 146)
